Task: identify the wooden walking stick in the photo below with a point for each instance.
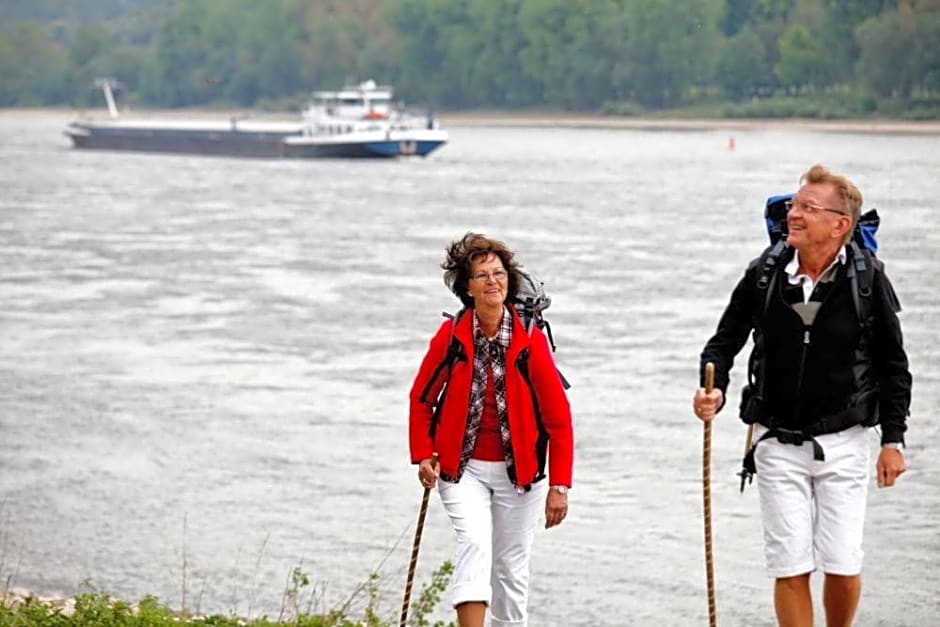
(746, 476)
(414, 549)
(707, 499)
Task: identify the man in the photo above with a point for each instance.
(823, 374)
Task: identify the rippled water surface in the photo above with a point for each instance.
(204, 364)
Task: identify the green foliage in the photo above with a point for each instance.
(574, 50)
(32, 70)
(32, 612)
(99, 609)
(224, 50)
(84, 12)
(828, 105)
(298, 581)
(770, 10)
(582, 55)
(430, 596)
(743, 69)
(736, 16)
(899, 52)
(804, 60)
(496, 75)
(622, 107)
(672, 48)
(95, 609)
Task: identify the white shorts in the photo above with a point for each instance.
(813, 512)
(495, 526)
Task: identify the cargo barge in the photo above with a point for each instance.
(358, 121)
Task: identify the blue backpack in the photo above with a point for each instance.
(775, 216)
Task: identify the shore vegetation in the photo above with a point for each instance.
(96, 609)
(817, 59)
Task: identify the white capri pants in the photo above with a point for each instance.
(813, 512)
(495, 526)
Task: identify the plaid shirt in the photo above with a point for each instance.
(488, 355)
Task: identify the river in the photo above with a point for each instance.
(204, 364)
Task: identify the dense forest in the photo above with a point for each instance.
(814, 58)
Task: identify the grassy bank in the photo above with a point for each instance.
(548, 119)
(95, 609)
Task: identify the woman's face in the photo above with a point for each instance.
(489, 282)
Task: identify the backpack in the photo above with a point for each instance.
(862, 265)
(530, 301)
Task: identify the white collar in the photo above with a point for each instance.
(793, 268)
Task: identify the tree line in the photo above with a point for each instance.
(732, 57)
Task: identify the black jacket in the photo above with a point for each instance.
(831, 370)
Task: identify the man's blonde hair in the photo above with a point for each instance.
(848, 192)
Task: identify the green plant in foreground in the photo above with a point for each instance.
(96, 609)
(430, 596)
(298, 580)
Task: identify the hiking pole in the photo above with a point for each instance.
(747, 477)
(414, 549)
(707, 499)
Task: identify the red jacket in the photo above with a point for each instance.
(523, 425)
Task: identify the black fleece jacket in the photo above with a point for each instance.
(819, 371)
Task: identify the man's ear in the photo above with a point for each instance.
(844, 226)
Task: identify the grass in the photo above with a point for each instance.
(835, 103)
(302, 602)
(98, 609)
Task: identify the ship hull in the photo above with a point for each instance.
(266, 144)
(383, 149)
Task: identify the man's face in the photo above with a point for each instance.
(817, 217)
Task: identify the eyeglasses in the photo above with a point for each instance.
(499, 276)
(808, 207)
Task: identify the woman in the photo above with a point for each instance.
(489, 401)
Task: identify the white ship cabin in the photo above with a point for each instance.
(362, 107)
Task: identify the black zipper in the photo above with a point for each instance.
(806, 343)
(799, 379)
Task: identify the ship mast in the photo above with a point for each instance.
(106, 85)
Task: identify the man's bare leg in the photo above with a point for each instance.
(840, 598)
(793, 602)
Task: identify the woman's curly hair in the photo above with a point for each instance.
(463, 252)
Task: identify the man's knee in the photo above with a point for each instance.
(794, 583)
(843, 583)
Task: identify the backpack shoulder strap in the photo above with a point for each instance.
(768, 265)
(861, 274)
(455, 353)
(541, 445)
(543, 324)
